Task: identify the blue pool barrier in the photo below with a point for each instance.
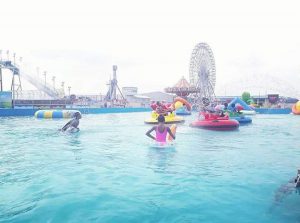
(273, 111)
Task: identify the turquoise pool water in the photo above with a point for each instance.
(109, 173)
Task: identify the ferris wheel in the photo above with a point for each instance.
(203, 74)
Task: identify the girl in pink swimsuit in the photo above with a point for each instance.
(161, 131)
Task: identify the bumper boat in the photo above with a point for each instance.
(239, 117)
(242, 119)
(182, 111)
(170, 118)
(216, 123)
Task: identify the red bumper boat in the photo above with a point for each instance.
(216, 123)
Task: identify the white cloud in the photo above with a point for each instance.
(151, 41)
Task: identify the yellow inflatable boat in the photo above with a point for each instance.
(169, 119)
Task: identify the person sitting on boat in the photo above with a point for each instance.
(222, 111)
(225, 106)
(207, 114)
(210, 112)
(214, 115)
(73, 124)
(222, 114)
(232, 108)
(161, 109)
(239, 108)
(164, 105)
(161, 131)
(153, 105)
(167, 106)
(204, 112)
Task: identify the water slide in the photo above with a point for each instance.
(38, 83)
(242, 103)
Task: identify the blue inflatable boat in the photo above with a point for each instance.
(182, 111)
(242, 119)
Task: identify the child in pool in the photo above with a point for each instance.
(73, 124)
(297, 179)
(161, 130)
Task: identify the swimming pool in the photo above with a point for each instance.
(108, 172)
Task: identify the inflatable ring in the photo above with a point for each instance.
(55, 113)
(295, 111)
(183, 101)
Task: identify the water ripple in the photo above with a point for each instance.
(108, 170)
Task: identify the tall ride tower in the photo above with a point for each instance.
(111, 95)
(16, 86)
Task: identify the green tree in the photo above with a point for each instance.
(246, 97)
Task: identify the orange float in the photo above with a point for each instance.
(295, 111)
(173, 130)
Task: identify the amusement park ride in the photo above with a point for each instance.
(47, 92)
(199, 89)
(16, 86)
(202, 75)
(111, 95)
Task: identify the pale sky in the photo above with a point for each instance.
(152, 41)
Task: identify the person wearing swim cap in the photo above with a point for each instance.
(161, 131)
(225, 106)
(232, 108)
(73, 124)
